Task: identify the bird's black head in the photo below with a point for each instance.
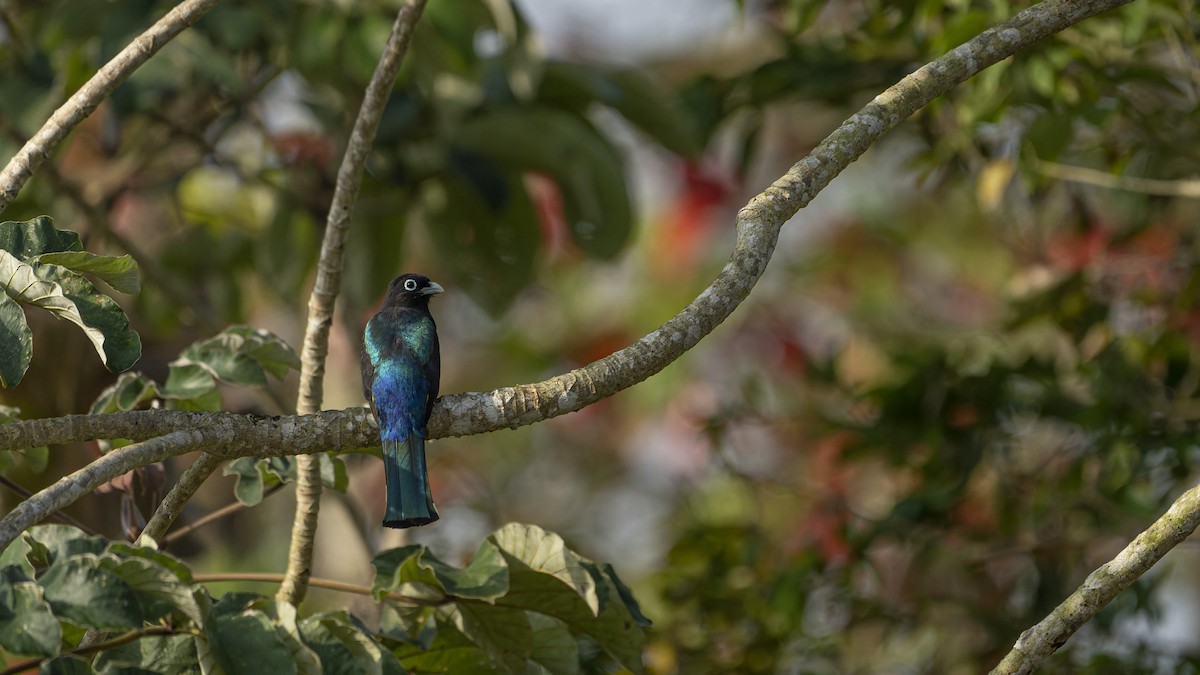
(411, 290)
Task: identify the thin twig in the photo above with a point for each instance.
(81, 104)
(318, 582)
(59, 515)
(227, 510)
(326, 289)
(1186, 188)
(124, 638)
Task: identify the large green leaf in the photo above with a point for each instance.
(241, 355)
(167, 654)
(159, 590)
(66, 664)
(28, 238)
(27, 625)
(486, 232)
(243, 639)
(554, 648)
(80, 589)
(588, 170)
(69, 296)
(634, 94)
(502, 632)
(451, 653)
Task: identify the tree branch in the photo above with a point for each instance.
(183, 490)
(81, 104)
(230, 435)
(1186, 188)
(1101, 586)
(73, 486)
(326, 289)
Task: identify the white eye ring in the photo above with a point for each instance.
(410, 284)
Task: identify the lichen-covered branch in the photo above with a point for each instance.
(73, 486)
(1101, 586)
(326, 289)
(187, 485)
(81, 104)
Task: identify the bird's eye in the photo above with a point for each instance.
(410, 284)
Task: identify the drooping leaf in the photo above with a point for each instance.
(69, 296)
(28, 238)
(80, 589)
(587, 169)
(248, 487)
(284, 620)
(120, 272)
(547, 553)
(413, 570)
(27, 625)
(450, 653)
(16, 342)
(153, 654)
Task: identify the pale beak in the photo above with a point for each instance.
(432, 289)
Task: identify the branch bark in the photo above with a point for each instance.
(83, 102)
(326, 289)
(187, 485)
(1101, 586)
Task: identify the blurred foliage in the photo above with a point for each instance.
(970, 387)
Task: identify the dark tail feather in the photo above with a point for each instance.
(409, 501)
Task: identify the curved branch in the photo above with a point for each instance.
(83, 102)
(73, 486)
(1101, 586)
(326, 289)
(183, 490)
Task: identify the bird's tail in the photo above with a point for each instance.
(409, 500)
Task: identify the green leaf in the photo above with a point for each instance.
(243, 640)
(345, 647)
(451, 652)
(240, 355)
(502, 632)
(80, 590)
(249, 485)
(128, 392)
(283, 618)
(554, 648)
(486, 232)
(158, 588)
(71, 297)
(151, 653)
(16, 342)
(52, 543)
(333, 472)
(546, 552)
(413, 570)
(191, 387)
(17, 554)
(120, 272)
(587, 169)
(65, 665)
(634, 94)
(33, 237)
(27, 625)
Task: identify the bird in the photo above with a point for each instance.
(401, 367)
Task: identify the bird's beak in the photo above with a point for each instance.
(432, 289)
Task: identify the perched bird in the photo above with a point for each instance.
(401, 365)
